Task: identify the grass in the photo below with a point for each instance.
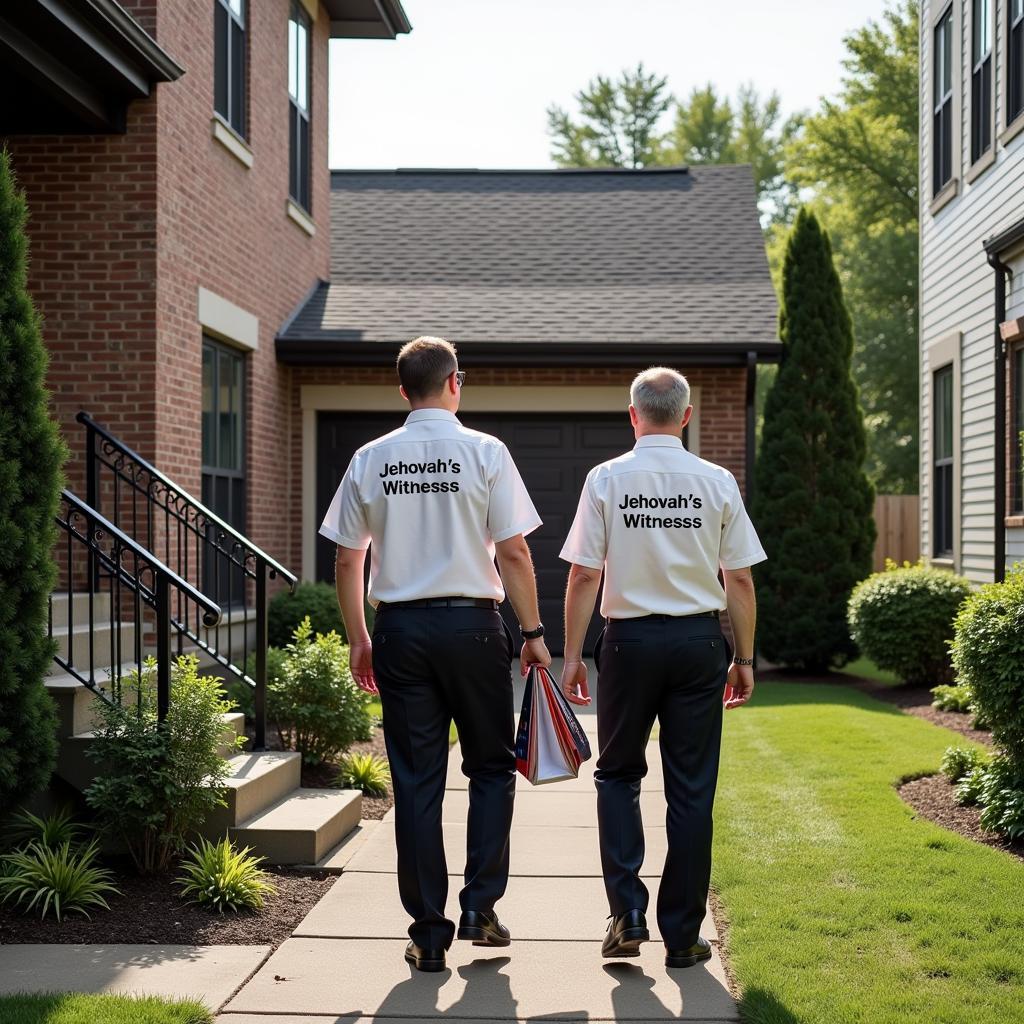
(867, 669)
(69, 1008)
(843, 907)
(378, 714)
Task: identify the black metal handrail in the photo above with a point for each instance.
(136, 581)
(219, 560)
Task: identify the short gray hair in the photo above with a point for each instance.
(660, 395)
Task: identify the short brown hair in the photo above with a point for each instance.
(424, 364)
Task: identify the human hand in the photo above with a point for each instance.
(739, 686)
(534, 652)
(361, 665)
(574, 682)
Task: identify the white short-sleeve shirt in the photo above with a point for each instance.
(431, 500)
(660, 521)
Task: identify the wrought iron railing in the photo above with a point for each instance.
(197, 544)
(148, 606)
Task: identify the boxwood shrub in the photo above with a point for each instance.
(316, 601)
(902, 619)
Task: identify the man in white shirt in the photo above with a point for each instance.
(436, 503)
(660, 522)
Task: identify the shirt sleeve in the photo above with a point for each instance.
(510, 510)
(587, 543)
(345, 522)
(740, 544)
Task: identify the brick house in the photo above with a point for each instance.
(557, 287)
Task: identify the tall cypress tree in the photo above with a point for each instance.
(31, 456)
(813, 504)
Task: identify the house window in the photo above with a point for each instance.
(942, 516)
(1016, 488)
(1015, 60)
(942, 117)
(229, 62)
(981, 77)
(298, 106)
(223, 449)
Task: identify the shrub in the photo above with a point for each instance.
(242, 695)
(316, 705)
(157, 783)
(31, 456)
(58, 878)
(959, 761)
(988, 655)
(52, 831)
(365, 772)
(1001, 796)
(902, 619)
(316, 601)
(952, 698)
(222, 878)
(968, 789)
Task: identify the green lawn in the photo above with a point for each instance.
(867, 669)
(84, 1009)
(843, 908)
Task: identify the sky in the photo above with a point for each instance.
(470, 85)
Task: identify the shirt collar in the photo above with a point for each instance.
(659, 441)
(420, 415)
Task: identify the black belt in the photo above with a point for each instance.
(660, 618)
(443, 602)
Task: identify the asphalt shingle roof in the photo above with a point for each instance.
(667, 257)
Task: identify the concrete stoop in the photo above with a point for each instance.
(266, 807)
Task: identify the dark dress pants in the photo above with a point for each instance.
(434, 665)
(672, 670)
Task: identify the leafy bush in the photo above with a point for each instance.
(365, 772)
(1002, 797)
(316, 601)
(968, 789)
(988, 655)
(57, 878)
(242, 695)
(902, 619)
(952, 698)
(316, 705)
(223, 878)
(52, 831)
(959, 761)
(157, 783)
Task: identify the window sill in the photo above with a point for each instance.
(1012, 130)
(980, 166)
(299, 216)
(231, 140)
(948, 192)
(943, 563)
(1014, 521)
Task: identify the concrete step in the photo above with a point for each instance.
(234, 726)
(73, 645)
(303, 827)
(235, 638)
(77, 705)
(73, 609)
(257, 781)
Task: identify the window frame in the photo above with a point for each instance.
(1014, 52)
(300, 136)
(982, 83)
(943, 467)
(235, 112)
(943, 112)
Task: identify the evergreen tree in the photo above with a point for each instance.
(812, 501)
(31, 457)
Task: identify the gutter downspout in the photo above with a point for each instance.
(1002, 275)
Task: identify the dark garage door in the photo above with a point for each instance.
(554, 454)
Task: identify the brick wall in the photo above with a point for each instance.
(722, 409)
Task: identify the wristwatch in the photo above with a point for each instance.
(743, 661)
(533, 634)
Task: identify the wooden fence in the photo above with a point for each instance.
(897, 519)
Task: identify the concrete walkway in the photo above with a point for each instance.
(344, 962)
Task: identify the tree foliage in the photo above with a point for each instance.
(31, 457)
(859, 155)
(812, 501)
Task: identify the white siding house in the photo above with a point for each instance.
(972, 211)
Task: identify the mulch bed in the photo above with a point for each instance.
(934, 798)
(151, 911)
(324, 776)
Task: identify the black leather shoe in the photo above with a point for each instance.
(700, 950)
(424, 959)
(625, 933)
(483, 929)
